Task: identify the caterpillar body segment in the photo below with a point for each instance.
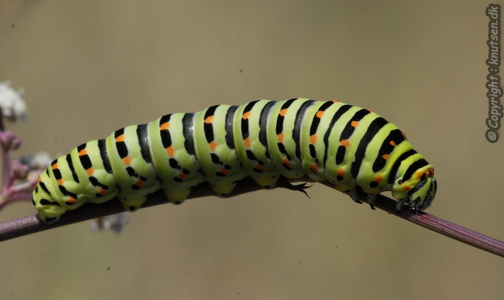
(346, 145)
(216, 152)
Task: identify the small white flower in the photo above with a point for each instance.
(38, 160)
(11, 103)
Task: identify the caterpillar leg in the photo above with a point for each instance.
(371, 198)
(133, 199)
(49, 212)
(223, 189)
(132, 204)
(400, 204)
(285, 183)
(176, 195)
(355, 194)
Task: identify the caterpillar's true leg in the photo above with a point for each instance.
(285, 183)
(354, 194)
(357, 193)
(371, 198)
(400, 204)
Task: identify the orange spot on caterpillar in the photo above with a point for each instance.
(72, 200)
(120, 138)
(314, 168)
(139, 183)
(246, 115)
(83, 152)
(371, 111)
(90, 171)
(39, 179)
(101, 192)
(247, 142)
(165, 126)
(283, 112)
(335, 101)
(345, 143)
(212, 145)
(341, 172)
(60, 181)
(286, 162)
(407, 188)
(354, 124)
(392, 143)
(319, 114)
(170, 151)
(313, 138)
(224, 171)
(127, 160)
(385, 156)
(55, 166)
(378, 178)
(280, 137)
(209, 119)
(181, 175)
(259, 167)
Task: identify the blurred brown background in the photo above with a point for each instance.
(90, 67)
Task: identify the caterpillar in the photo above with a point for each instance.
(350, 147)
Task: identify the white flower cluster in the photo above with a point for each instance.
(12, 105)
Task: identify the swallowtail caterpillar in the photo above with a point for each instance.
(348, 146)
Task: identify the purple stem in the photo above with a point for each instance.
(5, 160)
(32, 224)
(445, 227)
(6, 176)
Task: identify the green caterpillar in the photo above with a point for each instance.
(348, 146)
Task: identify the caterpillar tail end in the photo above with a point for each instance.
(50, 214)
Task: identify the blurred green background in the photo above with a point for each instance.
(90, 67)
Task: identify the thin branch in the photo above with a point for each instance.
(442, 226)
(32, 224)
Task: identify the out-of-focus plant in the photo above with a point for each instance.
(19, 176)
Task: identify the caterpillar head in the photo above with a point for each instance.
(418, 191)
(421, 196)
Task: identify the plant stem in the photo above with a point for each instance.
(32, 224)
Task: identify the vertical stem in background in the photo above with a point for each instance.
(5, 169)
(5, 161)
(1, 123)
